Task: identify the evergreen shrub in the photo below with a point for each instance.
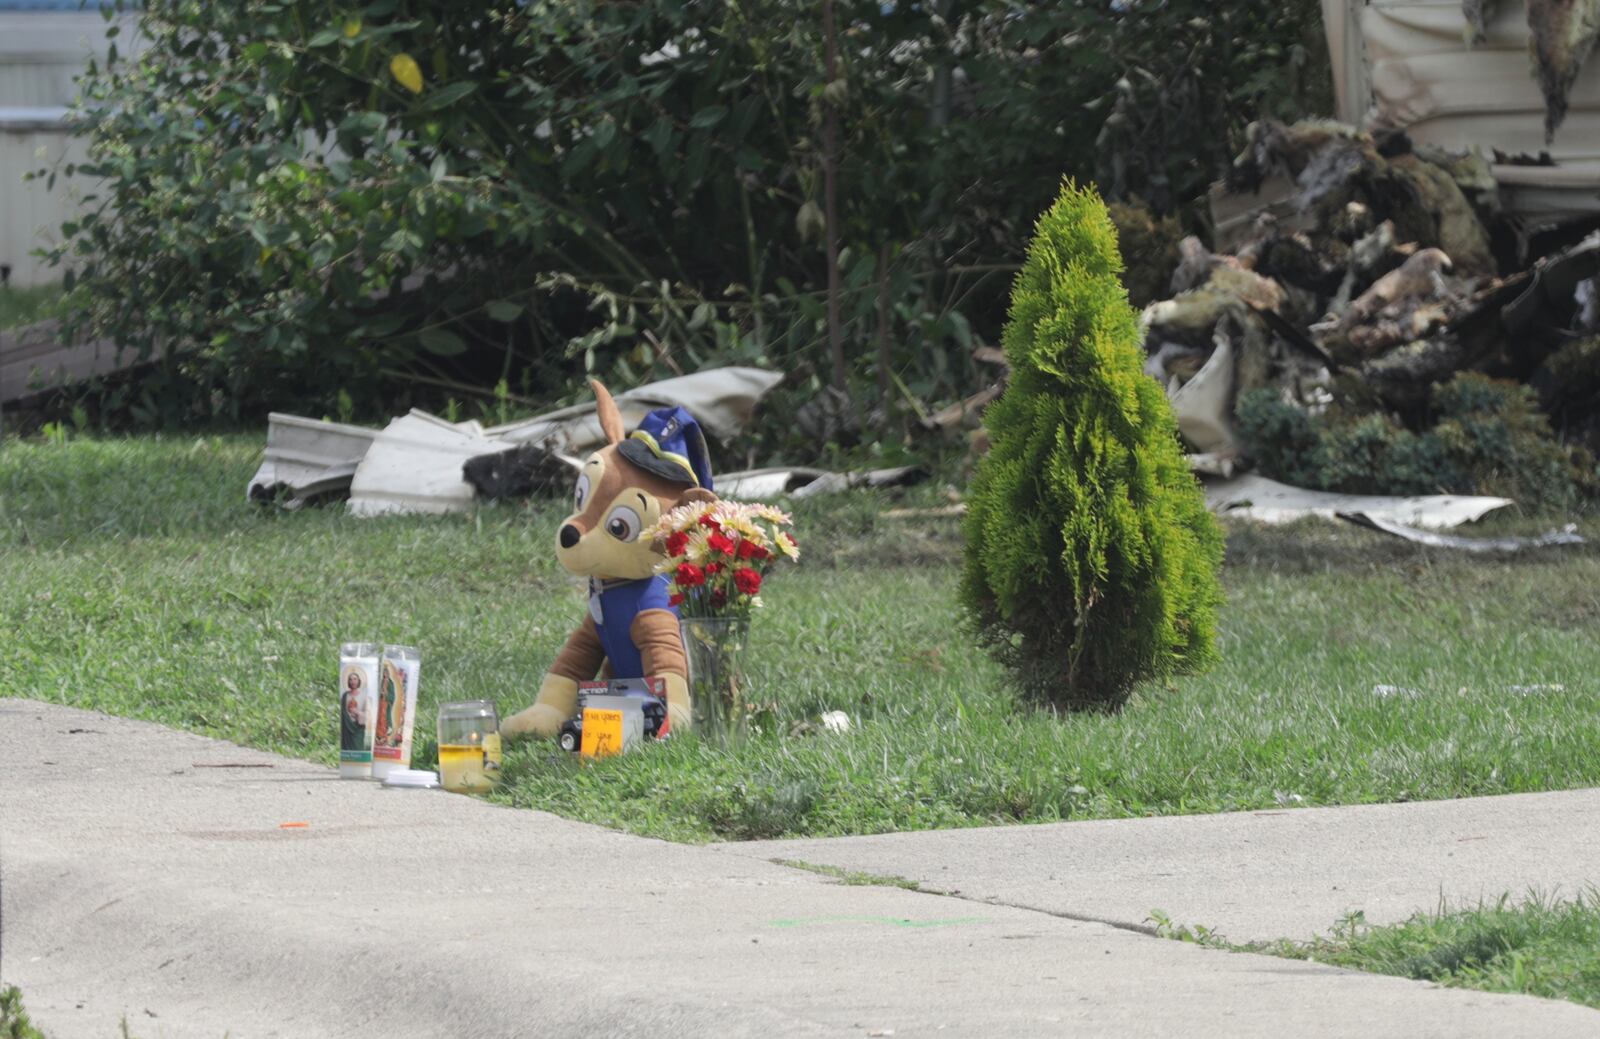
(1091, 560)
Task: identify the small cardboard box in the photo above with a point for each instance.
(611, 725)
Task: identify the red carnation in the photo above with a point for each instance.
(676, 599)
(713, 568)
(751, 550)
(689, 576)
(719, 599)
(710, 522)
(720, 542)
(677, 543)
(748, 580)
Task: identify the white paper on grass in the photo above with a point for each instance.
(1258, 498)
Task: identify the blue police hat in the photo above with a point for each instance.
(670, 444)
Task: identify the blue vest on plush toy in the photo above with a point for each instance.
(614, 605)
(668, 443)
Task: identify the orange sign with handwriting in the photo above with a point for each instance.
(602, 733)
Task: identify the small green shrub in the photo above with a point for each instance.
(1279, 437)
(1091, 559)
(1487, 437)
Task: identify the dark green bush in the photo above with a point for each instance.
(1487, 437)
(1091, 559)
(1280, 437)
(1149, 250)
(1574, 371)
(633, 189)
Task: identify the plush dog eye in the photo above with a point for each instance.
(623, 524)
(582, 492)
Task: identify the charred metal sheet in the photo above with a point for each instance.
(308, 459)
(1566, 536)
(1258, 498)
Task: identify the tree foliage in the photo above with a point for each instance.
(311, 198)
(1091, 559)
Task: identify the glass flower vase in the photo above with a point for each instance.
(716, 648)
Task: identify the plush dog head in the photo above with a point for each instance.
(623, 489)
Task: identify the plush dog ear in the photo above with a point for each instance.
(695, 495)
(610, 417)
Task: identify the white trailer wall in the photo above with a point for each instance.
(1406, 64)
(40, 53)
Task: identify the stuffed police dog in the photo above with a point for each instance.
(631, 629)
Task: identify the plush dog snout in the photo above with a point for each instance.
(569, 536)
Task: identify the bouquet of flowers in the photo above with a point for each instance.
(718, 553)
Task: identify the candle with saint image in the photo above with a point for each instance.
(358, 691)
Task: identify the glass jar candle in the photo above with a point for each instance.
(469, 746)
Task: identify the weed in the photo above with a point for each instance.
(851, 877)
(1197, 934)
(1542, 946)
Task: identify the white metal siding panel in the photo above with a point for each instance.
(30, 215)
(41, 52)
(1424, 77)
(1341, 23)
(36, 83)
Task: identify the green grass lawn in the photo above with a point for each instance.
(1537, 947)
(134, 579)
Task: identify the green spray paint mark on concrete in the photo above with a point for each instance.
(891, 921)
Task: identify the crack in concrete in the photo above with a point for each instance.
(850, 878)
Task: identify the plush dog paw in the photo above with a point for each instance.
(679, 711)
(556, 702)
(539, 720)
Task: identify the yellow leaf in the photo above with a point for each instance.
(403, 67)
(352, 28)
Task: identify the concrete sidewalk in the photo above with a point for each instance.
(1249, 875)
(148, 875)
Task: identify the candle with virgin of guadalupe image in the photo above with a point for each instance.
(396, 709)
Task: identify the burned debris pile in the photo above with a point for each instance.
(1375, 324)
